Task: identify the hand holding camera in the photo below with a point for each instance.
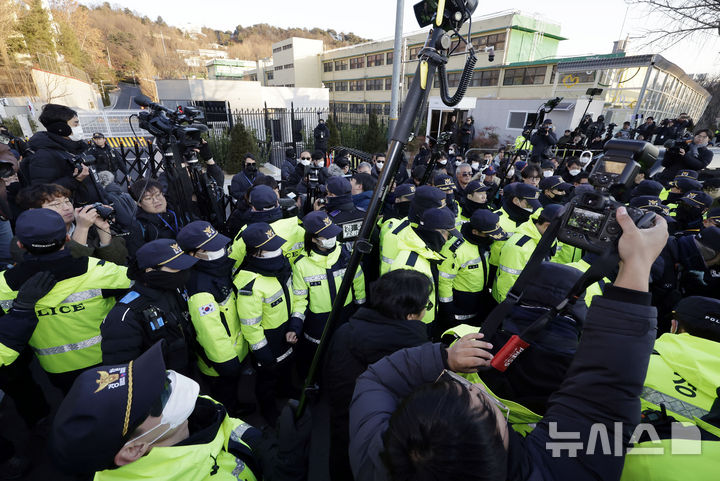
(81, 173)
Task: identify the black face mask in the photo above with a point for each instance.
(251, 169)
(471, 206)
(165, 281)
(466, 231)
(268, 216)
(402, 209)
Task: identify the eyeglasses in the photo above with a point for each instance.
(449, 376)
(305, 158)
(466, 174)
(59, 204)
(158, 196)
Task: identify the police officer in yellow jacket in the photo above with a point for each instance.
(265, 207)
(426, 197)
(317, 275)
(475, 199)
(682, 387)
(138, 420)
(517, 250)
(518, 202)
(67, 337)
(468, 263)
(264, 306)
(212, 305)
(420, 249)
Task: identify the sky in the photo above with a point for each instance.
(590, 26)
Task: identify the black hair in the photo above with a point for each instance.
(400, 293)
(34, 196)
(317, 155)
(52, 113)
(290, 153)
(365, 180)
(707, 131)
(437, 434)
(265, 180)
(419, 172)
(380, 154)
(139, 187)
(530, 171)
(249, 156)
(573, 160)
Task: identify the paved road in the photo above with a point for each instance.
(125, 97)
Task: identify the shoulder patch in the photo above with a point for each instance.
(129, 297)
(456, 245)
(207, 309)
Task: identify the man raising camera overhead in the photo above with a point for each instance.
(56, 158)
(682, 155)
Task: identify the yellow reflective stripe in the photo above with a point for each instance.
(510, 270)
(73, 346)
(273, 298)
(251, 321)
(82, 296)
(259, 345)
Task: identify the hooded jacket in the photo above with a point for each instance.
(365, 339)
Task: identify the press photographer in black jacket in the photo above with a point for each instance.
(695, 156)
(55, 158)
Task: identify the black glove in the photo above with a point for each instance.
(205, 152)
(294, 437)
(265, 356)
(33, 290)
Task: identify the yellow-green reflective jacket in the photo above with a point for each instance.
(466, 269)
(289, 229)
(513, 258)
(592, 290)
(390, 234)
(193, 462)
(683, 376)
(218, 330)
(67, 337)
(311, 285)
(7, 355)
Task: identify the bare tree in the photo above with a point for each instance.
(682, 19)
(51, 87)
(709, 119)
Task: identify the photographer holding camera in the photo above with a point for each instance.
(542, 141)
(87, 226)
(56, 159)
(695, 156)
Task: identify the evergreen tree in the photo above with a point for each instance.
(242, 142)
(36, 30)
(375, 138)
(334, 139)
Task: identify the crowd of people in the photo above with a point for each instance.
(150, 320)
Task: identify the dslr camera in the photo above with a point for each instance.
(589, 220)
(105, 213)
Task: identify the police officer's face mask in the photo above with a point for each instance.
(179, 406)
(326, 243)
(210, 255)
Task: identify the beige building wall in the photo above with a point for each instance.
(60, 89)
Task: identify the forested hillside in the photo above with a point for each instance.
(112, 44)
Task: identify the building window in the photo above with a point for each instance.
(288, 66)
(408, 82)
(277, 49)
(287, 47)
(356, 85)
(453, 80)
(573, 77)
(388, 83)
(374, 84)
(327, 67)
(270, 75)
(341, 86)
(413, 52)
(278, 67)
(357, 108)
(341, 107)
(329, 86)
(389, 58)
(485, 78)
(375, 60)
(341, 65)
(496, 40)
(357, 62)
(518, 120)
(525, 76)
(386, 109)
(375, 109)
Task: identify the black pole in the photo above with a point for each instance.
(416, 97)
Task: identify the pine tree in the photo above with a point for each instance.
(36, 30)
(334, 139)
(375, 138)
(242, 142)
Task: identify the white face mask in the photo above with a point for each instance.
(379, 164)
(320, 164)
(180, 405)
(548, 173)
(451, 151)
(584, 160)
(475, 165)
(304, 162)
(511, 172)
(327, 243)
(574, 171)
(77, 133)
(211, 255)
(458, 162)
(271, 254)
(529, 209)
(442, 162)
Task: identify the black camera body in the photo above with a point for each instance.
(105, 213)
(589, 220)
(181, 123)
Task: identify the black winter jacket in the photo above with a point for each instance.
(52, 164)
(602, 385)
(150, 227)
(366, 338)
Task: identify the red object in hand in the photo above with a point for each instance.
(508, 353)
